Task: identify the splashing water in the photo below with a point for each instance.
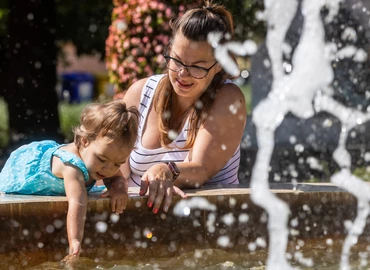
(303, 90)
(184, 207)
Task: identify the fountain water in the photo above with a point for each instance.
(303, 90)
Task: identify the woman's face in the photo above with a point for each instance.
(191, 53)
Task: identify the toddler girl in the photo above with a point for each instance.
(103, 141)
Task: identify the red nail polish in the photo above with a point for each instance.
(150, 204)
(155, 210)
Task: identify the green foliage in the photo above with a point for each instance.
(4, 13)
(4, 136)
(363, 173)
(247, 91)
(247, 25)
(69, 117)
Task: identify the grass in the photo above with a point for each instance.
(69, 115)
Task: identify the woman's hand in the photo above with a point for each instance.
(158, 179)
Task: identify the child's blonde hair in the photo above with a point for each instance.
(112, 119)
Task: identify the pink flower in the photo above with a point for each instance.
(158, 49)
(136, 41)
(141, 60)
(145, 39)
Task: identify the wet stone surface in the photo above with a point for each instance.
(32, 228)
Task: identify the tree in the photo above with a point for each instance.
(84, 23)
(31, 73)
(31, 35)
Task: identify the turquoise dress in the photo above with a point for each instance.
(28, 170)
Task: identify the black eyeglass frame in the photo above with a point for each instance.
(167, 57)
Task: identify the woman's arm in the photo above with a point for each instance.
(77, 204)
(216, 140)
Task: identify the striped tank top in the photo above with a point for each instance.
(141, 159)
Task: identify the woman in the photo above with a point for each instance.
(192, 117)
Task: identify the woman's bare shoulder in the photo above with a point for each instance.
(133, 94)
(231, 90)
(230, 95)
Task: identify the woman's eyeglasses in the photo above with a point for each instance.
(194, 71)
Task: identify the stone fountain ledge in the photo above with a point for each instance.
(242, 189)
(32, 228)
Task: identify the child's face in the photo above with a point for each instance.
(103, 157)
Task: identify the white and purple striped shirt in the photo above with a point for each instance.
(141, 159)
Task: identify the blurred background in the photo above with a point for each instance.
(58, 55)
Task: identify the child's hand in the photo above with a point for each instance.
(74, 253)
(71, 260)
(117, 191)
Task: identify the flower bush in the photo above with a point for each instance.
(138, 36)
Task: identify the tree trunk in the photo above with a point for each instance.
(31, 96)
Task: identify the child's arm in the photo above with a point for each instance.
(117, 191)
(77, 204)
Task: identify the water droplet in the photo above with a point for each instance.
(243, 218)
(172, 135)
(101, 226)
(50, 229)
(93, 28)
(228, 219)
(252, 246)
(199, 104)
(223, 241)
(114, 218)
(186, 211)
(329, 242)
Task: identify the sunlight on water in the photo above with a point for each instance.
(325, 251)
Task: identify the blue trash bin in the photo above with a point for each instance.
(77, 87)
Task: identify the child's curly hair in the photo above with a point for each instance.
(112, 119)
